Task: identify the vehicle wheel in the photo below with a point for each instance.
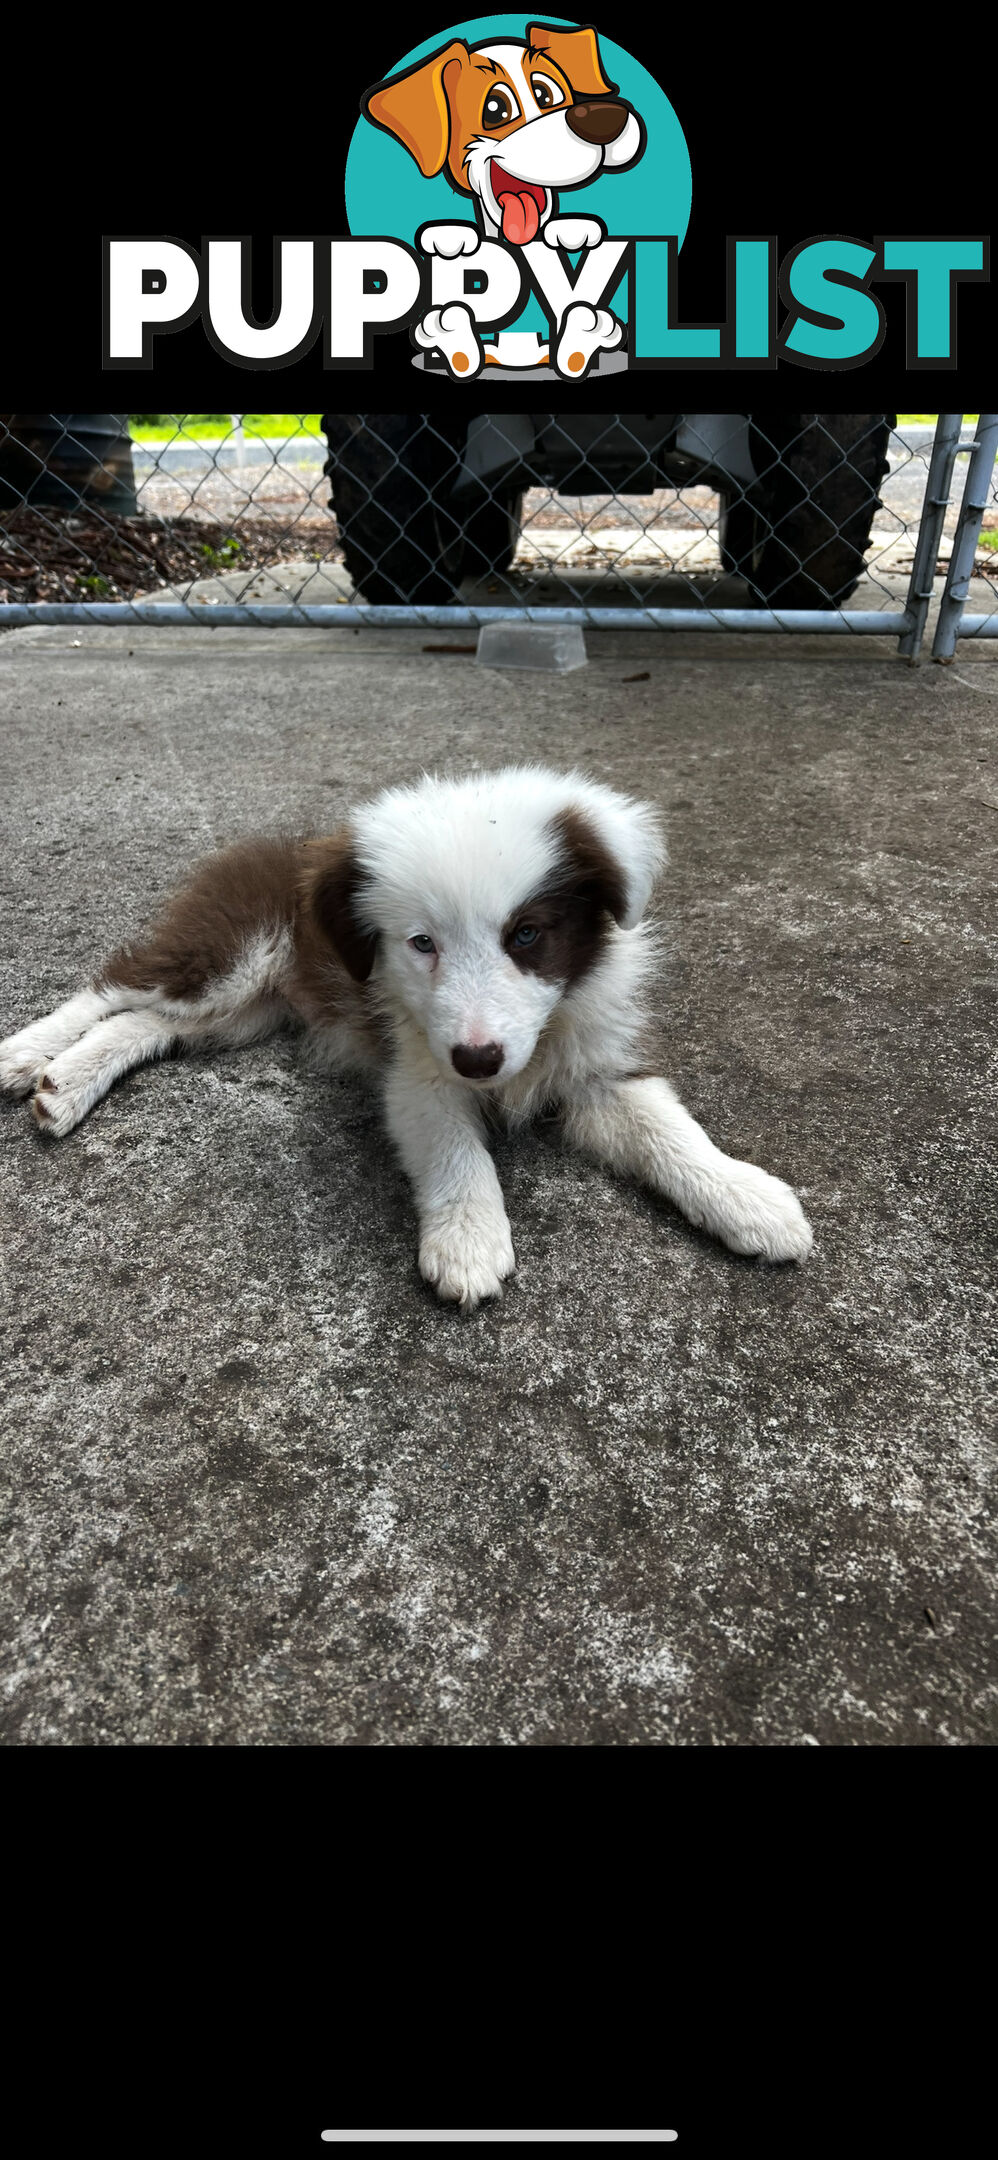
(392, 477)
(741, 533)
(490, 534)
(800, 533)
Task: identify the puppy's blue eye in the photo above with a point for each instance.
(525, 935)
(422, 943)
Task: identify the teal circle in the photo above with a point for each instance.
(387, 194)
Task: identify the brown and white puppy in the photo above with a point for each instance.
(513, 123)
(481, 946)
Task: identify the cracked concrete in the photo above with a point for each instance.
(259, 1488)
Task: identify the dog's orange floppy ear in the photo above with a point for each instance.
(576, 52)
(415, 107)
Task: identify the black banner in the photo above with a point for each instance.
(787, 145)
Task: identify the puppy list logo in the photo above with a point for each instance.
(517, 196)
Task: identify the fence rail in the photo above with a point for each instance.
(838, 523)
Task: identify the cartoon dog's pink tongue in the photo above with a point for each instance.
(520, 203)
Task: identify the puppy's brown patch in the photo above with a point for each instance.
(229, 899)
(571, 910)
(331, 884)
(334, 954)
(260, 887)
(590, 863)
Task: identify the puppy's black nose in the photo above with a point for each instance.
(599, 123)
(479, 1061)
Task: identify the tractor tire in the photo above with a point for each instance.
(798, 535)
(392, 476)
(490, 534)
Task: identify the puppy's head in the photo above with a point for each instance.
(480, 904)
(510, 122)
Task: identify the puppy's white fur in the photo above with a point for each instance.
(457, 865)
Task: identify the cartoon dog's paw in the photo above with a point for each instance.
(585, 332)
(449, 240)
(22, 1061)
(451, 331)
(467, 1258)
(573, 232)
(759, 1215)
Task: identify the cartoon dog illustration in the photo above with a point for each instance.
(513, 124)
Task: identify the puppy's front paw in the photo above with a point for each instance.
(467, 1258)
(759, 1215)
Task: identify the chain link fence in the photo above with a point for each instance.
(836, 522)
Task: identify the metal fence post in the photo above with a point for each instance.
(938, 488)
(972, 508)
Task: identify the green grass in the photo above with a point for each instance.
(990, 540)
(221, 558)
(199, 426)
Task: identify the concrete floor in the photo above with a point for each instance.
(259, 1487)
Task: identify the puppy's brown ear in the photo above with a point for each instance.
(416, 107)
(588, 864)
(612, 849)
(332, 894)
(577, 54)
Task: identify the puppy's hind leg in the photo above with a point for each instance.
(24, 1056)
(641, 1128)
(73, 1082)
